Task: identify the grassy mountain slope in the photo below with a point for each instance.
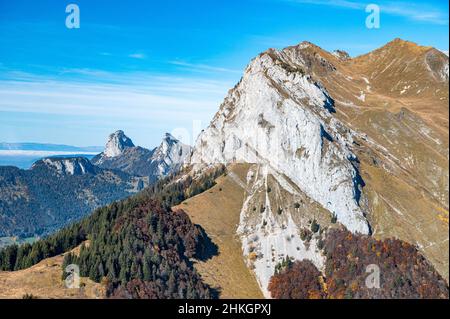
(138, 247)
(43, 280)
(217, 211)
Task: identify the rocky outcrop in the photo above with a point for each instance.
(117, 143)
(169, 156)
(298, 115)
(66, 165)
(135, 160)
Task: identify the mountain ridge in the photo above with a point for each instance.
(122, 171)
(66, 165)
(301, 116)
(156, 163)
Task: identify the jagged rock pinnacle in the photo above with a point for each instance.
(116, 144)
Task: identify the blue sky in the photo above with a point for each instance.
(148, 67)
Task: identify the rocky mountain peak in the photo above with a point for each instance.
(171, 154)
(402, 68)
(259, 122)
(398, 42)
(292, 119)
(120, 153)
(66, 165)
(341, 55)
(117, 143)
(306, 45)
(168, 141)
(278, 118)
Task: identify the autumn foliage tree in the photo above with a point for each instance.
(301, 280)
(139, 247)
(404, 272)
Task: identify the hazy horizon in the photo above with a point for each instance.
(165, 66)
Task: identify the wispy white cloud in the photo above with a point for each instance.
(136, 102)
(416, 12)
(139, 56)
(336, 3)
(420, 12)
(133, 95)
(203, 67)
(40, 154)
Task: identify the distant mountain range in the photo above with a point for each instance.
(48, 147)
(120, 153)
(58, 190)
(23, 155)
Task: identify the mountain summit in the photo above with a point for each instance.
(120, 153)
(117, 143)
(170, 155)
(332, 140)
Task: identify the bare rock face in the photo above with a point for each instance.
(341, 55)
(117, 143)
(121, 154)
(299, 115)
(67, 165)
(170, 155)
(282, 119)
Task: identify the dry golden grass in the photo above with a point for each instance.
(398, 210)
(409, 200)
(405, 113)
(43, 280)
(217, 211)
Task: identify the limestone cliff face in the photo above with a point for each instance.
(117, 143)
(283, 119)
(67, 165)
(301, 117)
(170, 155)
